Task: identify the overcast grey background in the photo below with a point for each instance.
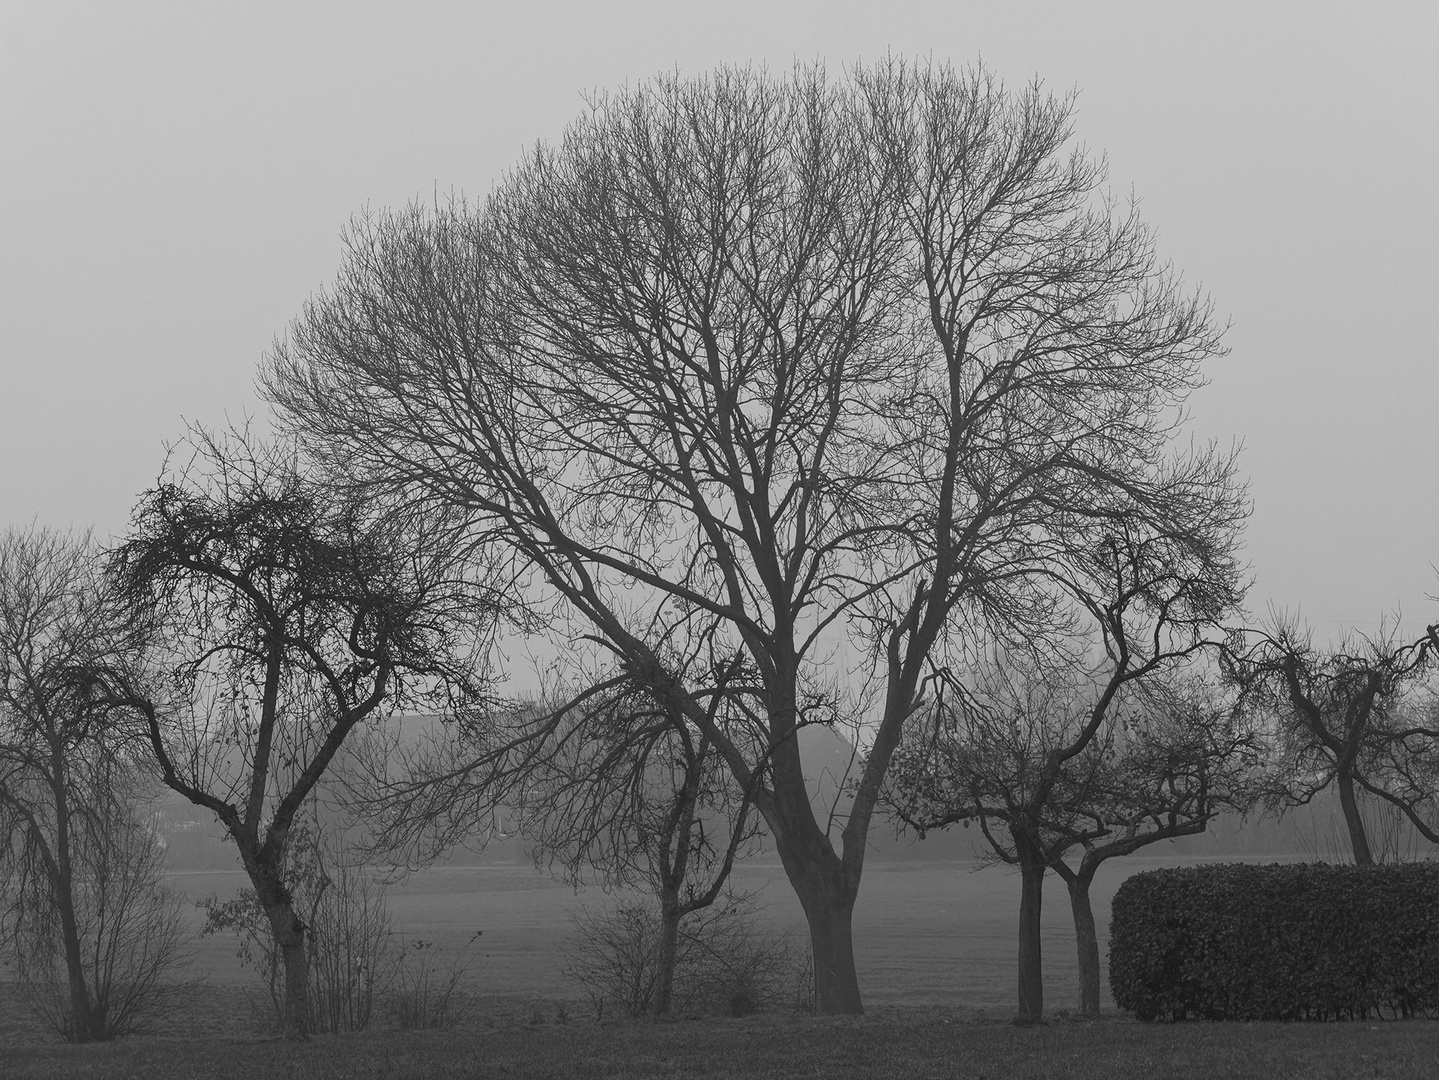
(174, 178)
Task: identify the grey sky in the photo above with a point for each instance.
(174, 177)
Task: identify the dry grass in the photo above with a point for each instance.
(935, 947)
(888, 1043)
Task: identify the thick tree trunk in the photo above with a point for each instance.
(1358, 839)
(289, 934)
(819, 881)
(669, 952)
(1031, 969)
(836, 983)
(825, 883)
(1086, 941)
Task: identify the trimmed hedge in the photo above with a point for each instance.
(1235, 941)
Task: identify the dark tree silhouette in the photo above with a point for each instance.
(1343, 716)
(1035, 745)
(764, 362)
(288, 617)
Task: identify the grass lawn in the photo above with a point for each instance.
(889, 1043)
(935, 946)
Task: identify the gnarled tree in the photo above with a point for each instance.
(1344, 716)
(288, 617)
(776, 362)
(1046, 749)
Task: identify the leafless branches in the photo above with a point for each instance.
(768, 362)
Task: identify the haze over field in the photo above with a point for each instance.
(174, 179)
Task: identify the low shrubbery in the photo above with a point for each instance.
(727, 962)
(131, 935)
(358, 963)
(1279, 942)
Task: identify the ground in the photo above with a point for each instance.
(887, 1043)
(935, 947)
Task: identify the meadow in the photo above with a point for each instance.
(941, 935)
(935, 945)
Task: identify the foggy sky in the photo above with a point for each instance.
(174, 179)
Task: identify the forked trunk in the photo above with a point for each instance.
(836, 984)
(1031, 970)
(819, 882)
(826, 887)
(1358, 839)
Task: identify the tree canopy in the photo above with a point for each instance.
(763, 363)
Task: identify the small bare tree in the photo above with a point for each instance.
(289, 616)
(95, 936)
(1182, 755)
(1344, 716)
(725, 959)
(626, 789)
(1035, 745)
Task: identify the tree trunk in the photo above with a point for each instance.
(819, 882)
(836, 983)
(1031, 971)
(85, 1026)
(1357, 837)
(825, 884)
(1086, 940)
(289, 934)
(669, 951)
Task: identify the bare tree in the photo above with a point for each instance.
(772, 363)
(1341, 717)
(1036, 742)
(288, 617)
(81, 872)
(1184, 756)
(628, 790)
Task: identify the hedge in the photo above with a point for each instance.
(1235, 941)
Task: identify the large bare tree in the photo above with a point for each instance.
(781, 363)
(287, 617)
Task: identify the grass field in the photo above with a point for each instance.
(932, 935)
(936, 953)
(898, 1044)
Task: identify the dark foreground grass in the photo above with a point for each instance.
(903, 1046)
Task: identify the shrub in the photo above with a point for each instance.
(727, 961)
(1279, 942)
(132, 935)
(426, 994)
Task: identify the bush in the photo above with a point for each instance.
(426, 993)
(727, 961)
(1279, 942)
(132, 935)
